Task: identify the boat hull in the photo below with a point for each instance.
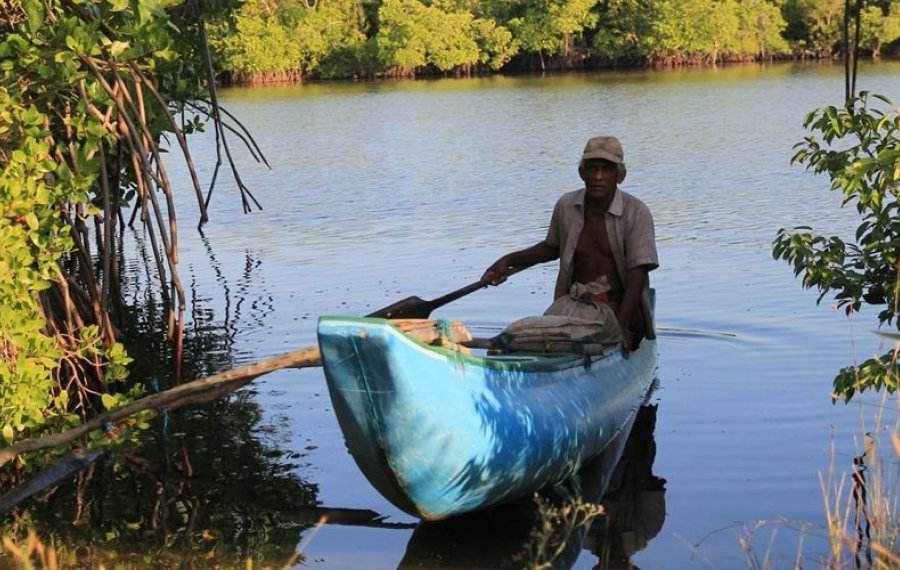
(439, 433)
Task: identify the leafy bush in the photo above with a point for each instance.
(85, 92)
(34, 237)
(858, 147)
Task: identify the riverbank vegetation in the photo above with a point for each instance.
(275, 40)
(861, 511)
(857, 145)
(87, 92)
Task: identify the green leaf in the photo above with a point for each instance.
(117, 48)
(109, 401)
(35, 13)
(8, 433)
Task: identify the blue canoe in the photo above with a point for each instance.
(440, 433)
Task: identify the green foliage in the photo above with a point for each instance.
(546, 26)
(693, 27)
(31, 241)
(451, 45)
(331, 38)
(858, 147)
(879, 26)
(33, 238)
(70, 71)
(402, 33)
(271, 40)
(351, 38)
(874, 373)
(258, 42)
(760, 29)
(814, 24)
(626, 29)
(412, 35)
(495, 43)
(676, 31)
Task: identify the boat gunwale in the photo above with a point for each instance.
(534, 362)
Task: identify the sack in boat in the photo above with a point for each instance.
(580, 316)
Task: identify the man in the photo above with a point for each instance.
(598, 233)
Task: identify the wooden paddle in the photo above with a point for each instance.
(417, 308)
(219, 385)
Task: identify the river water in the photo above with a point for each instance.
(378, 191)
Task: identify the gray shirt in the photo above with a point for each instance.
(632, 238)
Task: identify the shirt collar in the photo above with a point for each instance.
(616, 207)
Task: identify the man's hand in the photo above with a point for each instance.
(519, 260)
(496, 273)
(627, 339)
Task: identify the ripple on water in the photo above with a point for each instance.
(380, 192)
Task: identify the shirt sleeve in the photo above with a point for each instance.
(640, 243)
(555, 228)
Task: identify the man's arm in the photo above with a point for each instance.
(635, 279)
(538, 253)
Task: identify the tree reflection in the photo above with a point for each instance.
(206, 490)
(501, 537)
(201, 487)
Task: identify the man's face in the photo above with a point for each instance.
(600, 178)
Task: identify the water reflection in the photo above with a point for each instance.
(634, 502)
(203, 487)
(208, 491)
(503, 537)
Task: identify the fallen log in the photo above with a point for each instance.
(217, 386)
(195, 392)
(50, 476)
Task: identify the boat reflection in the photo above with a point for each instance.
(503, 537)
(634, 502)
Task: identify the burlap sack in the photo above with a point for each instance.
(574, 317)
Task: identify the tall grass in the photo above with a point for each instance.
(556, 529)
(29, 554)
(862, 508)
(861, 502)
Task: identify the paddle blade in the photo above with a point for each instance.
(409, 308)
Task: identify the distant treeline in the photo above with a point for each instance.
(287, 40)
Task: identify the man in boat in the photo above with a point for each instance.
(602, 236)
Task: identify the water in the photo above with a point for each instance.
(381, 191)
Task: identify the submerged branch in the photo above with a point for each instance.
(196, 392)
(50, 476)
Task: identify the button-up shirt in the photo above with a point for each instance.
(632, 238)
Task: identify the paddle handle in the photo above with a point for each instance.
(416, 308)
(459, 293)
